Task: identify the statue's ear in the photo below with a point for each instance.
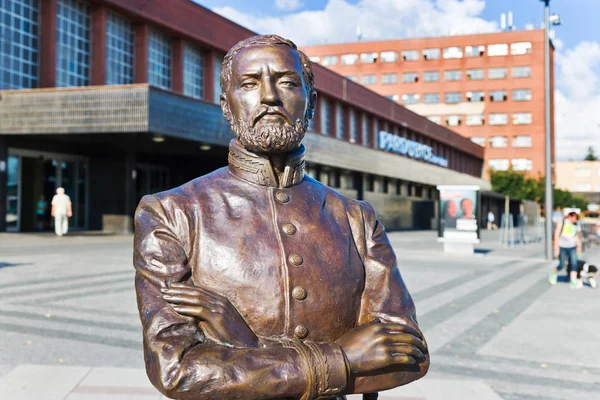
(312, 104)
(225, 106)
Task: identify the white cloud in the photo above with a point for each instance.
(577, 101)
(378, 19)
(288, 5)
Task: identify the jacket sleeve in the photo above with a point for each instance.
(180, 361)
(385, 297)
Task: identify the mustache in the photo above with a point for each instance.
(270, 111)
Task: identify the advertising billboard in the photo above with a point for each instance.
(458, 210)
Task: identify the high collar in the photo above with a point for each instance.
(257, 168)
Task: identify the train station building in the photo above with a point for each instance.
(114, 99)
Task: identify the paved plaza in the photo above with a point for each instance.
(496, 329)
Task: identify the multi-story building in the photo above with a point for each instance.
(114, 99)
(582, 177)
(487, 87)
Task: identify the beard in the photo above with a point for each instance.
(270, 138)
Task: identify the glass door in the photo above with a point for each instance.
(13, 193)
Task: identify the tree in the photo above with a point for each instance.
(591, 155)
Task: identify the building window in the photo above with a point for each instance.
(476, 97)
(370, 79)
(193, 62)
(73, 44)
(497, 73)
(521, 164)
(522, 141)
(521, 95)
(431, 76)
(453, 120)
(329, 60)
(389, 79)
(365, 130)
(521, 118)
(19, 36)
(453, 75)
(435, 118)
(410, 55)
(499, 164)
(376, 130)
(393, 97)
(474, 51)
(521, 72)
(410, 98)
(119, 50)
(480, 140)
(353, 78)
(520, 48)
(353, 126)
(159, 60)
(475, 74)
(410, 77)
(314, 59)
(431, 54)
(339, 119)
(431, 98)
(475, 119)
(583, 172)
(495, 50)
(368, 58)
(217, 78)
(325, 116)
(498, 119)
(497, 96)
(498, 142)
(349, 59)
(452, 97)
(389, 56)
(311, 124)
(453, 52)
(598, 172)
(583, 187)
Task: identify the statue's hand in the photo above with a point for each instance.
(223, 322)
(374, 346)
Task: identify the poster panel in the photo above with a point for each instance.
(459, 206)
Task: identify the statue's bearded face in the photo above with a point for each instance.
(266, 101)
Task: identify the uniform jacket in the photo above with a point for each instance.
(297, 260)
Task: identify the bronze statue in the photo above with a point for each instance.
(257, 281)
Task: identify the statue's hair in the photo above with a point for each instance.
(307, 72)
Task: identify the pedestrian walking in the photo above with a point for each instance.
(491, 220)
(567, 245)
(61, 211)
(41, 210)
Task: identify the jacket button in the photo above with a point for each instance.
(282, 197)
(296, 260)
(301, 332)
(299, 293)
(289, 229)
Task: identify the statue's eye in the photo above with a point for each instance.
(288, 83)
(248, 85)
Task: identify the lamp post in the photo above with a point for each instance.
(555, 20)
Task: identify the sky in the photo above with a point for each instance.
(577, 40)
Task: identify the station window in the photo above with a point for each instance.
(522, 164)
(389, 56)
(325, 116)
(159, 60)
(480, 140)
(329, 60)
(453, 75)
(368, 58)
(475, 74)
(369, 79)
(410, 55)
(452, 97)
(520, 48)
(431, 98)
(19, 54)
(474, 51)
(340, 125)
(365, 130)
(522, 141)
(435, 118)
(431, 76)
(497, 96)
(431, 54)
(217, 77)
(476, 97)
(453, 120)
(475, 119)
(521, 72)
(499, 164)
(119, 50)
(193, 71)
(498, 119)
(521, 94)
(498, 142)
(453, 52)
(496, 50)
(497, 73)
(409, 77)
(353, 125)
(522, 118)
(410, 98)
(73, 43)
(349, 59)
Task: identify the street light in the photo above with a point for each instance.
(555, 21)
